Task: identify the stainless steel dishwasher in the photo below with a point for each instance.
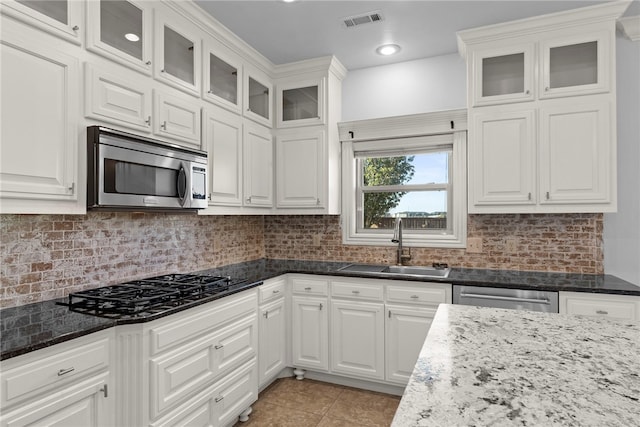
(518, 299)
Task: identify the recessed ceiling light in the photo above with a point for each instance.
(388, 49)
(132, 37)
(288, 1)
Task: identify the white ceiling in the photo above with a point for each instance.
(288, 32)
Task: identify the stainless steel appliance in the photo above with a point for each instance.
(148, 297)
(519, 299)
(128, 172)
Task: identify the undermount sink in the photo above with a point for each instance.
(397, 270)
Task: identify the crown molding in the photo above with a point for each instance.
(538, 24)
(319, 65)
(630, 26)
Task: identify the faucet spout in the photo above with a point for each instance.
(397, 238)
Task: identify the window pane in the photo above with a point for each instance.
(420, 210)
(121, 26)
(424, 168)
(430, 168)
(56, 9)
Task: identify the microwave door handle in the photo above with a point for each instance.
(182, 184)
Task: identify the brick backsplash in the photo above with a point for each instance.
(47, 256)
(558, 242)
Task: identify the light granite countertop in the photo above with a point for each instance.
(489, 366)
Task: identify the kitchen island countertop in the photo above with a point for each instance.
(489, 366)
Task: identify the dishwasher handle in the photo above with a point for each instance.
(503, 298)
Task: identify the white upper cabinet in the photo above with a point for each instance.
(258, 166)
(121, 31)
(542, 103)
(61, 18)
(222, 76)
(257, 95)
(577, 64)
(176, 117)
(301, 103)
(177, 58)
(503, 74)
(39, 85)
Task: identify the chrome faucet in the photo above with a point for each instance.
(397, 238)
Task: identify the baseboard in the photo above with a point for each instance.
(356, 383)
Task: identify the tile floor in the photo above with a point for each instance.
(308, 403)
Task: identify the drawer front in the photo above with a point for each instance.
(182, 373)
(625, 308)
(310, 286)
(272, 290)
(418, 295)
(368, 291)
(212, 315)
(57, 369)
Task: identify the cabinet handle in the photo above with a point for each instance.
(75, 28)
(318, 201)
(276, 291)
(163, 126)
(602, 312)
(148, 63)
(389, 314)
(209, 196)
(72, 187)
(529, 196)
(415, 297)
(62, 372)
(320, 306)
(148, 121)
(218, 346)
(526, 92)
(218, 399)
(308, 288)
(546, 89)
(266, 314)
(547, 195)
(162, 71)
(355, 292)
(105, 391)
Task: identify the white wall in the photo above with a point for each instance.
(439, 83)
(622, 229)
(419, 86)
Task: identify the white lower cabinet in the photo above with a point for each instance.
(622, 307)
(405, 331)
(357, 338)
(68, 384)
(310, 332)
(272, 344)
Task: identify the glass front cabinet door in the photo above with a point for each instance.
(502, 75)
(300, 103)
(222, 77)
(61, 18)
(575, 65)
(177, 54)
(121, 31)
(257, 97)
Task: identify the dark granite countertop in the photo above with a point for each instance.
(34, 326)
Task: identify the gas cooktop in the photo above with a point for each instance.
(141, 298)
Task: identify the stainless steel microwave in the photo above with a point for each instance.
(129, 172)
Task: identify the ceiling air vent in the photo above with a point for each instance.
(365, 18)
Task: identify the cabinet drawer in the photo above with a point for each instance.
(369, 291)
(602, 305)
(184, 372)
(176, 331)
(272, 290)
(310, 286)
(428, 294)
(60, 366)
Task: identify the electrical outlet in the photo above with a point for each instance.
(512, 245)
(474, 245)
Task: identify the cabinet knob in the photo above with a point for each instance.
(547, 196)
(249, 199)
(148, 121)
(265, 314)
(75, 28)
(105, 390)
(72, 188)
(163, 126)
(162, 71)
(218, 399)
(414, 297)
(602, 312)
(218, 346)
(276, 291)
(355, 292)
(148, 63)
(546, 89)
(209, 196)
(320, 306)
(527, 92)
(308, 288)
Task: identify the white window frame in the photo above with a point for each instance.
(456, 234)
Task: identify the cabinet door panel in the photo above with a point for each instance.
(575, 151)
(38, 84)
(258, 166)
(357, 338)
(60, 18)
(502, 158)
(310, 340)
(177, 119)
(299, 172)
(109, 97)
(406, 330)
(222, 77)
(235, 394)
(272, 340)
